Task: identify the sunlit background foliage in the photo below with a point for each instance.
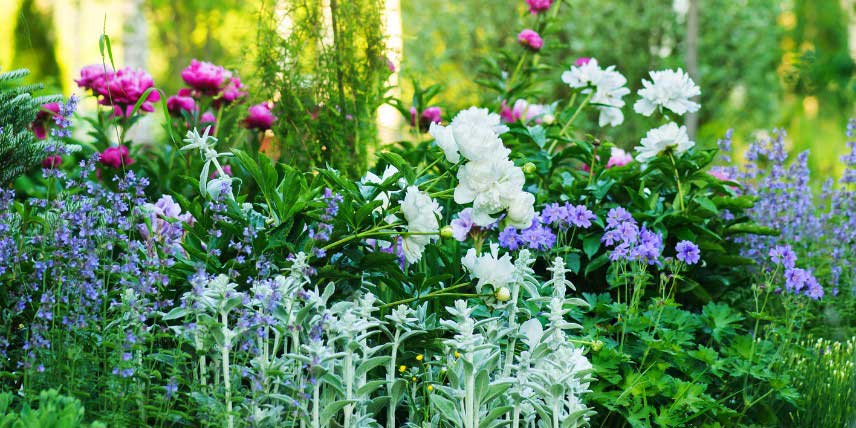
(786, 63)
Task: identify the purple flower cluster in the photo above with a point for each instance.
(687, 252)
(565, 216)
(786, 201)
(630, 242)
(541, 235)
(537, 236)
(321, 231)
(71, 269)
(464, 225)
(797, 280)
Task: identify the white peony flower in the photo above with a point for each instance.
(480, 117)
(473, 134)
(446, 141)
(582, 76)
(521, 210)
(421, 213)
(669, 89)
(659, 140)
(490, 269)
(372, 178)
(491, 185)
(608, 86)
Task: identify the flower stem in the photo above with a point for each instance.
(429, 295)
(677, 180)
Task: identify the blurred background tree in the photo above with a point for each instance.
(34, 42)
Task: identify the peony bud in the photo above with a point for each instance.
(502, 294)
(446, 232)
(529, 168)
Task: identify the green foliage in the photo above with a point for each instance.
(826, 378)
(672, 367)
(53, 411)
(327, 75)
(20, 150)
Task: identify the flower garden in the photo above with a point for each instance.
(242, 252)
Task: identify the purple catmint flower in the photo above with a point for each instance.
(687, 252)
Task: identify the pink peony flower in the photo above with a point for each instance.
(208, 119)
(581, 61)
(538, 6)
(180, 102)
(617, 157)
(205, 77)
(719, 173)
(231, 93)
(530, 40)
(51, 162)
(94, 78)
(521, 110)
(431, 115)
(260, 117)
(226, 168)
(115, 157)
(43, 117)
(124, 88)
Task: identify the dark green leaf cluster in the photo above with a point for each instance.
(20, 150)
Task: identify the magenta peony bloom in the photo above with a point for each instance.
(115, 157)
(530, 40)
(205, 77)
(618, 157)
(125, 87)
(390, 65)
(51, 162)
(431, 115)
(581, 61)
(43, 117)
(231, 93)
(260, 117)
(94, 78)
(181, 102)
(226, 169)
(538, 6)
(208, 118)
(521, 110)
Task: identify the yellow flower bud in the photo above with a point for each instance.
(402, 368)
(457, 354)
(419, 357)
(430, 388)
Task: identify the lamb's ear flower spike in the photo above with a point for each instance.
(205, 143)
